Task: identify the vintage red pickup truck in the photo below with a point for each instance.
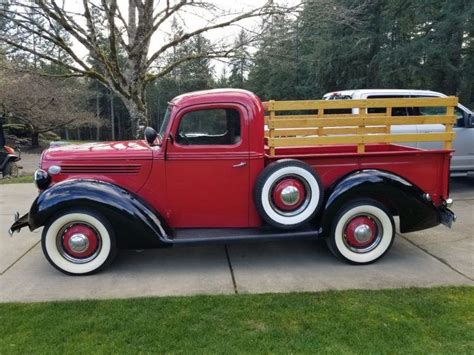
(220, 169)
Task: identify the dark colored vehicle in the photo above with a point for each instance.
(212, 175)
(8, 157)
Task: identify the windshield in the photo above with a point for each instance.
(166, 120)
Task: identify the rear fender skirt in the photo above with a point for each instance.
(400, 196)
(135, 222)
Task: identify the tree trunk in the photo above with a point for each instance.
(119, 128)
(112, 114)
(97, 106)
(138, 115)
(139, 121)
(34, 138)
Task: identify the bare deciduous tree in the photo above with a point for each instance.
(41, 103)
(124, 60)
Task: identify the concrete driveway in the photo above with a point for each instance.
(434, 257)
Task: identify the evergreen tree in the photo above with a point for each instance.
(240, 64)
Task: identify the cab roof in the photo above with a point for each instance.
(216, 96)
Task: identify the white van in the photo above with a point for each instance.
(463, 159)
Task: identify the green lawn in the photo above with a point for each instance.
(17, 180)
(438, 320)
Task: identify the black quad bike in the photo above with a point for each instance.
(8, 157)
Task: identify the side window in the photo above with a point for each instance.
(209, 127)
(435, 111)
(427, 111)
(338, 111)
(396, 111)
(432, 111)
(459, 117)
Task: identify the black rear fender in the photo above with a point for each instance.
(401, 197)
(135, 222)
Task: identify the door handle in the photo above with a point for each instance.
(239, 165)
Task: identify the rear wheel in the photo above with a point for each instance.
(78, 242)
(362, 232)
(288, 193)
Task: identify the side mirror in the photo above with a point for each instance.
(150, 135)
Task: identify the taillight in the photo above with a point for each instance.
(9, 150)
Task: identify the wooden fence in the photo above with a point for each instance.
(290, 124)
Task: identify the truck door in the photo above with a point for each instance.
(463, 158)
(207, 173)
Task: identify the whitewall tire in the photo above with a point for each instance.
(78, 242)
(362, 232)
(288, 193)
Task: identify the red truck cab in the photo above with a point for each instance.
(209, 175)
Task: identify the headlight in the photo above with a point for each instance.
(42, 179)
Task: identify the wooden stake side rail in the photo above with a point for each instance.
(285, 129)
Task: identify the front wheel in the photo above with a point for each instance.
(78, 242)
(362, 232)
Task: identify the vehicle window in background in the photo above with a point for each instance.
(432, 111)
(435, 111)
(209, 127)
(338, 111)
(396, 111)
(459, 117)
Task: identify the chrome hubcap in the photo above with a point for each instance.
(290, 195)
(78, 243)
(363, 233)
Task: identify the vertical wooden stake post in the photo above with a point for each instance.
(271, 119)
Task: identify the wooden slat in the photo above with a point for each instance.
(334, 116)
(361, 130)
(325, 131)
(366, 120)
(272, 130)
(371, 103)
(449, 128)
(359, 139)
(388, 113)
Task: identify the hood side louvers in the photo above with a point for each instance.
(100, 169)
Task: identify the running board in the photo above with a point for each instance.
(235, 235)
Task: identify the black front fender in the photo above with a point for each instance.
(136, 223)
(400, 196)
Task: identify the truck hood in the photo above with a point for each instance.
(127, 164)
(101, 150)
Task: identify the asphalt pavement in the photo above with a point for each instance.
(434, 257)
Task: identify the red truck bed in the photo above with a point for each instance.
(427, 169)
